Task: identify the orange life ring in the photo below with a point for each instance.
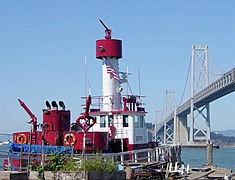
(69, 139)
(21, 139)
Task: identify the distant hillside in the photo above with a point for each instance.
(226, 132)
(220, 139)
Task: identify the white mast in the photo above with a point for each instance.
(110, 51)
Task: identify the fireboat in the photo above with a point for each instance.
(110, 123)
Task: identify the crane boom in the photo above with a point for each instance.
(33, 117)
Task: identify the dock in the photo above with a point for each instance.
(156, 170)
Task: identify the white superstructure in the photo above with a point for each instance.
(123, 117)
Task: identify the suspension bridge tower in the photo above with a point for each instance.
(199, 80)
(169, 107)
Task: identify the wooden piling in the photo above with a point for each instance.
(210, 153)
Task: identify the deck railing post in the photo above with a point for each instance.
(149, 156)
(153, 155)
(132, 157)
(136, 157)
(162, 153)
(156, 154)
(122, 159)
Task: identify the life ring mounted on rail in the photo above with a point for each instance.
(69, 139)
(21, 139)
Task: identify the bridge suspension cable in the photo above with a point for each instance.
(220, 69)
(186, 82)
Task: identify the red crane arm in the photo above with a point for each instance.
(34, 118)
(88, 103)
(26, 109)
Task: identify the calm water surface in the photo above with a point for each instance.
(196, 157)
(2, 148)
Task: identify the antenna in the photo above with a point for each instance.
(127, 80)
(85, 77)
(139, 81)
(89, 88)
(107, 30)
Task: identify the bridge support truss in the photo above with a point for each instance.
(168, 133)
(176, 123)
(199, 80)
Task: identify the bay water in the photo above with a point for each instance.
(196, 157)
(3, 152)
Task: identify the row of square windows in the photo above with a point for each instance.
(139, 121)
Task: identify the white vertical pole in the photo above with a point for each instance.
(155, 128)
(43, 142)
(85, 77)
(139, 81)
(136, 157)
(165, 116)
(149, 158)
(157, 154)
(176, 136)
(127, 80)
(29, 150)
(207, 105)
(207, 65)
(191, 135)
(122, 139)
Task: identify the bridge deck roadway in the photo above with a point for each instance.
(216, 90)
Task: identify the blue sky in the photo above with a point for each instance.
(43, 45)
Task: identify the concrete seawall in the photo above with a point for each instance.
(15, 175)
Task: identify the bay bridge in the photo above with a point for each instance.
(174, 128)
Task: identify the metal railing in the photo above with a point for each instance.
(158, 154)
(219, 88)
(143, 155)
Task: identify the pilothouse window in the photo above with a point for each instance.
(110, 117)
(125, 120)
(136, 122)
(102, 121)
(141, 119)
